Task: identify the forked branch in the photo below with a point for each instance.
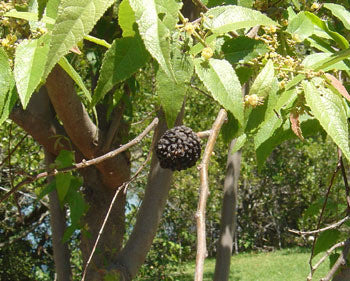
(204, 192)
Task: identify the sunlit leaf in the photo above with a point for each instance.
(220, 79)
(328, 108)
(229, 18)
(30, 59)
(75, 19)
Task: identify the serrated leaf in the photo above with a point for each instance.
(75, 19)
(125, 57)
(30, 59)
(5, 77)
(126, 18)
(243, 49)
(78, 207)
(7, 102)
(171, 93)
(220, 79)
(326, 240)
(328, 108)
(332, 60)
(339, 39)
(316, 61)
(155, 19)
(75, 76)
(265, 81)
(301, 26)
(340, 12)
(229, 18)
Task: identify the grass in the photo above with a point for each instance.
(282, 265)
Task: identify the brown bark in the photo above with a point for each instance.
(61, 253)
(82, 131)
(228, 215)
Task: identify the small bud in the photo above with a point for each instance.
(207, 53)
(253, 100)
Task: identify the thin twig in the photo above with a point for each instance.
(317, 231)
(340, 261)
(26, 232)
(345, 179)
(203, 195)
(204, 134)
(84, 163)
(13, 150)
(322, 212)
(323, 258)
(201, 91)
(199, 4)
(123, 186)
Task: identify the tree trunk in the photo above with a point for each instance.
(61, 253)
(99, 198)
(228, 216)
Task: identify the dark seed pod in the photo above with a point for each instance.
(178, 149)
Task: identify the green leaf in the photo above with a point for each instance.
(52, 8)
(340, 12)
(243, 49)
(41, 7)
(75, 76)
(64, 159)
(281, 133)
(265, 81)
(155, 19)
(220, 79)
(326, 240)
(301, 26)
(7, 102)
(125, 57)
(329, 110)
(229, 18)
(5, 77)
(268, 128)
(240, 141)
(339, 39)
(314, 60)
(255, 116)
(78, 207)
(29, 16)
(75, 19)
(171, 93)
(62, 186)
(30, 59)
(126, 18)
(47, 189)
(68, 233)
(210, 41)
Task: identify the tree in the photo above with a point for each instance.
(88, 130)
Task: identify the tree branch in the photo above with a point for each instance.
(38, 120)
(317, 231)
(133, 255)
(204, 191)
(340, 261)
(84, 163)
(76, 121)
(228, 224)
